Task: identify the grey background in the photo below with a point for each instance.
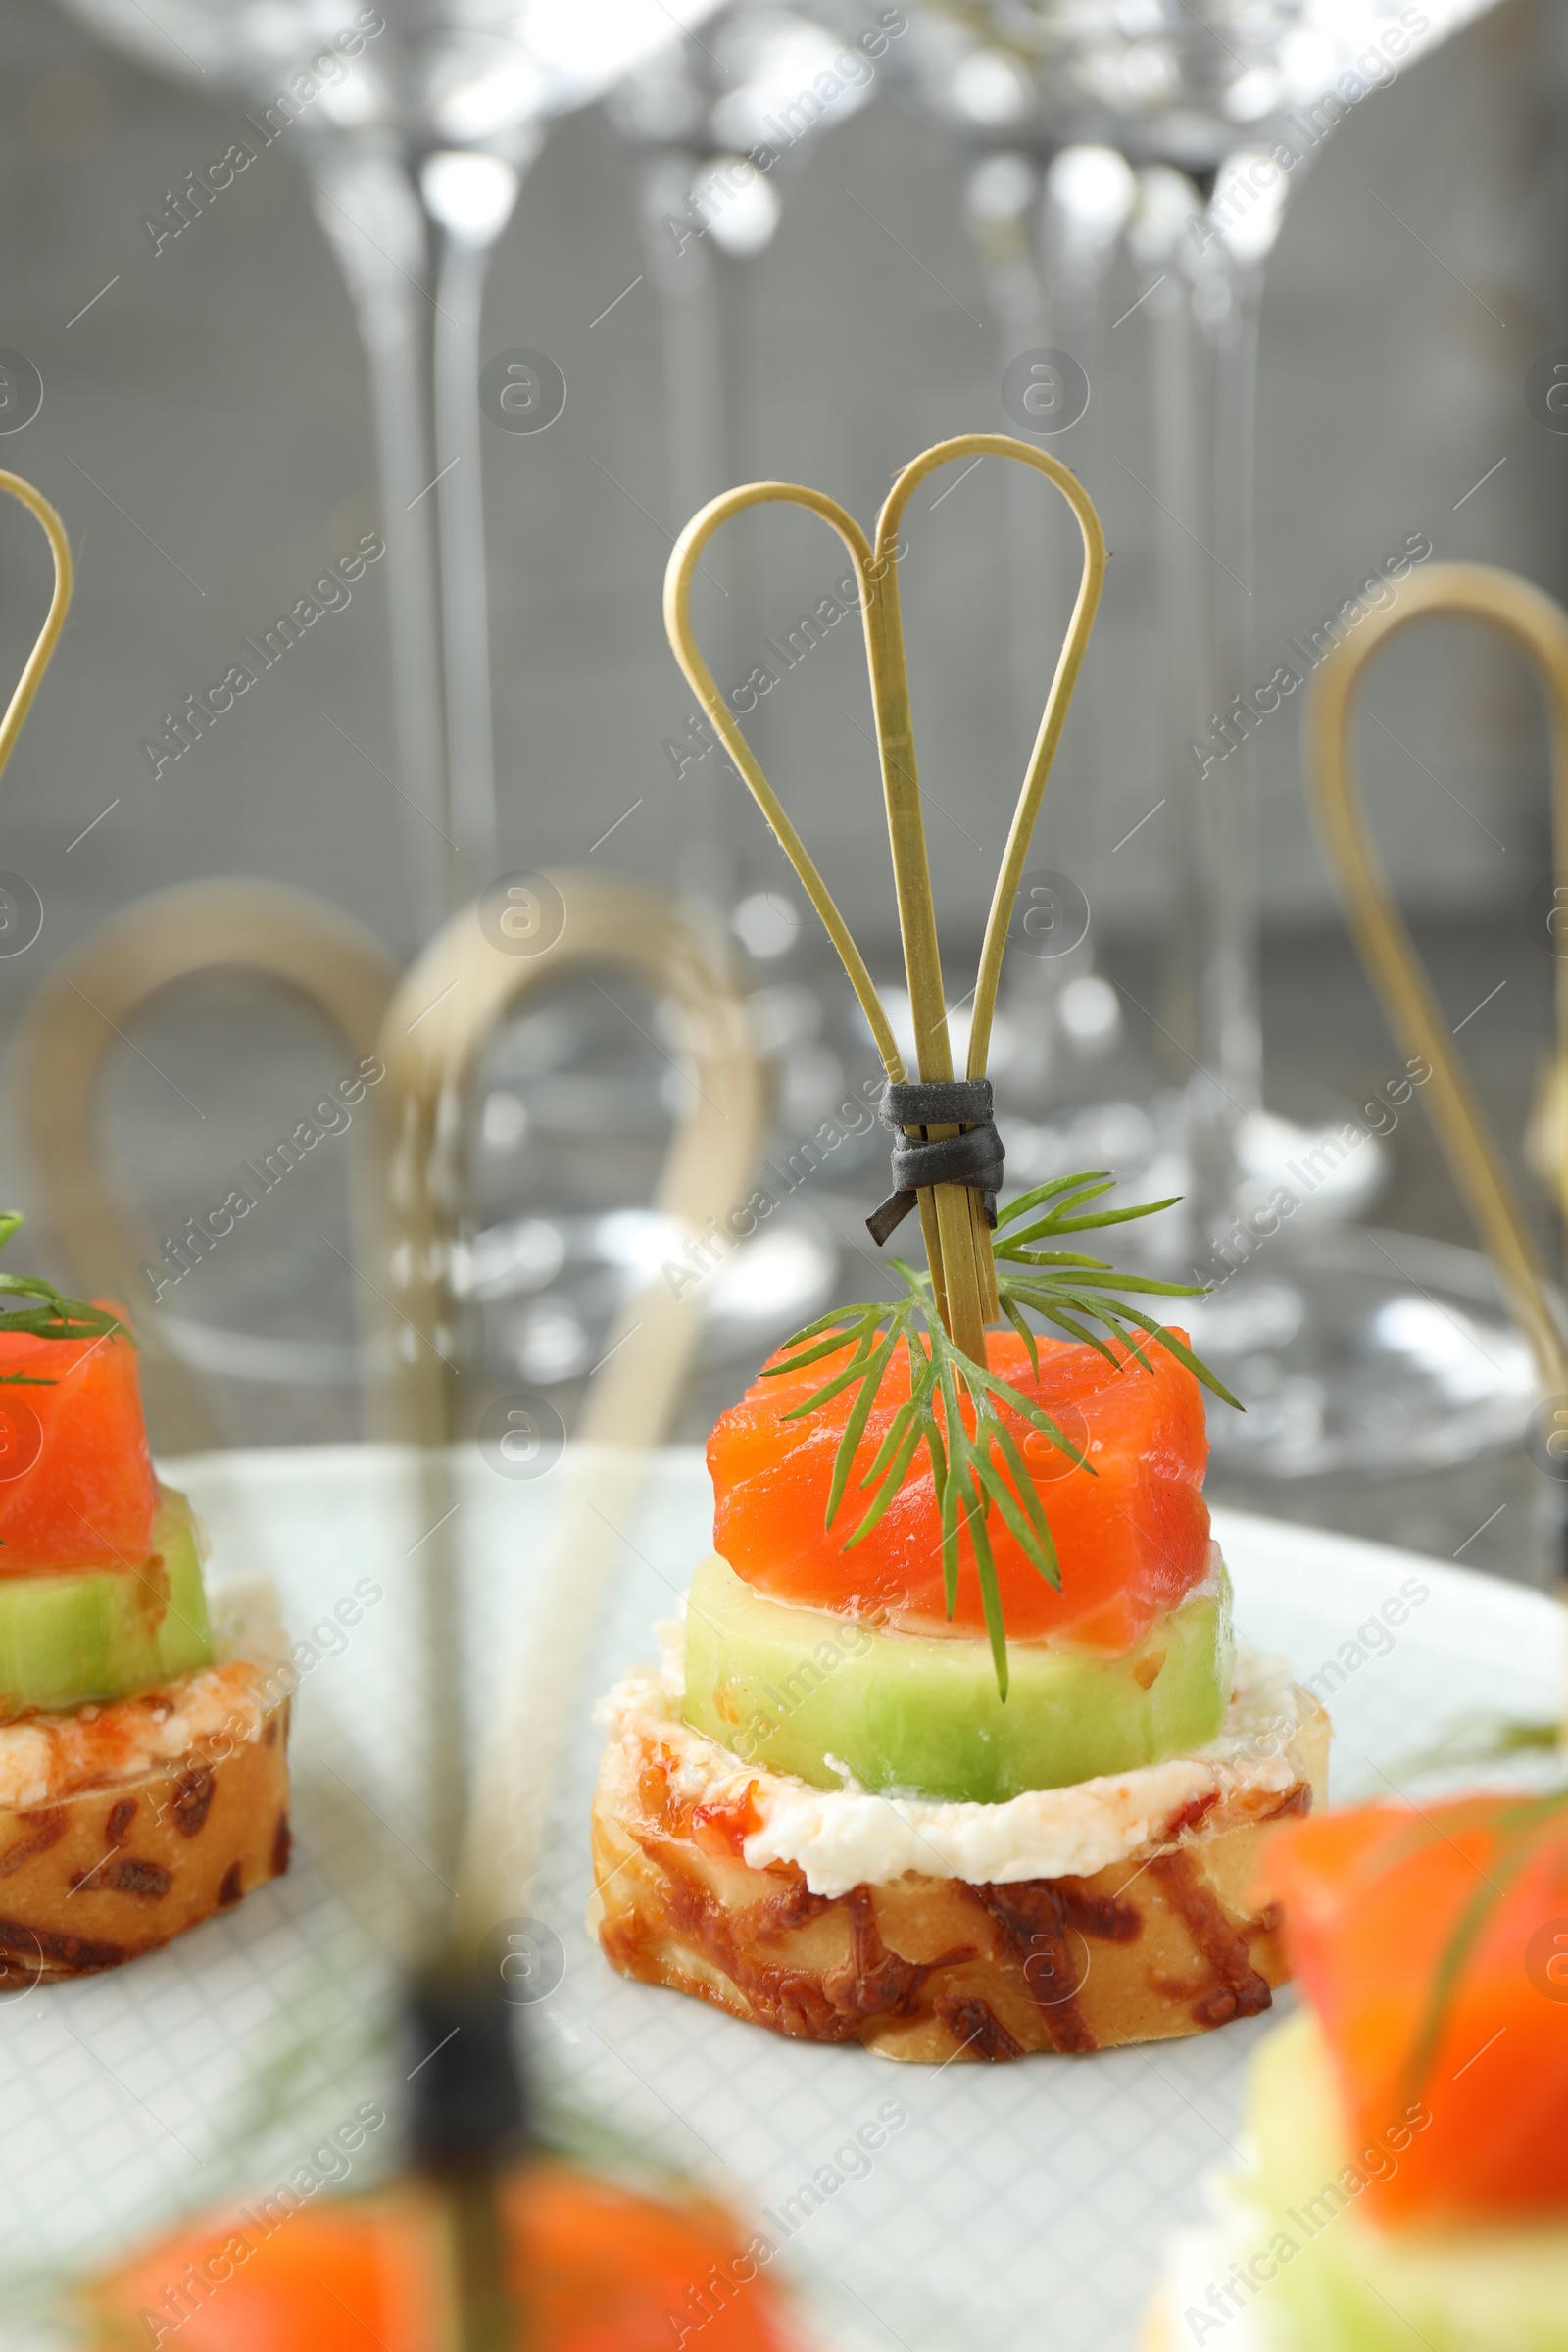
(216, 396)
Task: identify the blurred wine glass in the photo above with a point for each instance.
(416, 121)
(722, 127)
(1173, 131)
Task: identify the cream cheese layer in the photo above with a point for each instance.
(847, 1837)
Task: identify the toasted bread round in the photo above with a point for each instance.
(98, 1877)
(1164, 1942)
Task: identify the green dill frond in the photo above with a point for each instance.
(53, 1317)
(952, 1410)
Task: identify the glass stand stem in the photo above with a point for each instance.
(1000, 234)
(371, 212)
(684, 275)
(464, 600)
(462, 270)
(1204, 375)
(417, 287)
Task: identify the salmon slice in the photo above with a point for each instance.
(1132, 1535)
(77, 1485)
(1374, 1900)
(599, 2269)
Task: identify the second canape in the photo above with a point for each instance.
(1408, 2182)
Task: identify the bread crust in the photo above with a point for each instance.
(1162, 1945)
(113, 1870)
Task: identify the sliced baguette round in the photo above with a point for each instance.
(1166, 1942)
(93, 1878)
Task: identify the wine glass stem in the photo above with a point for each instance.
(463, 579)
(417, 295)
(686, 283)
(367, 204)
(1206, 349)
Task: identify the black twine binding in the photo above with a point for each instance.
(467, 2105)
(973, 1157)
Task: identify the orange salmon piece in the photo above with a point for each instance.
(86, 1495)
(595, 2268)
(1373, 1898)
(1132, 1536)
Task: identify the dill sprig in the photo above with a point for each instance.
(1481, 1737)
(54, 1317)
(951, 1408)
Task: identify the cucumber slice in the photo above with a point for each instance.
(790, 1688)
(1330, 2281)
(68, 1636)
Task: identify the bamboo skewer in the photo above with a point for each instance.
(446, 1010)
(488, 1849)
(678, 579)
(1540, 627)
(76, 1021)
(43, 654)
(958, 1258)
(953, 1219)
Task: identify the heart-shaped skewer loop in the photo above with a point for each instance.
(952, 1215)
(1540, 627)
(42, 653)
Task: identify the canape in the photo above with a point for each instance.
(143, 1732)
(979, 1774)
(850, 1806)
(1408, 2181)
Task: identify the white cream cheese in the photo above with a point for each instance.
(849, 1836)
